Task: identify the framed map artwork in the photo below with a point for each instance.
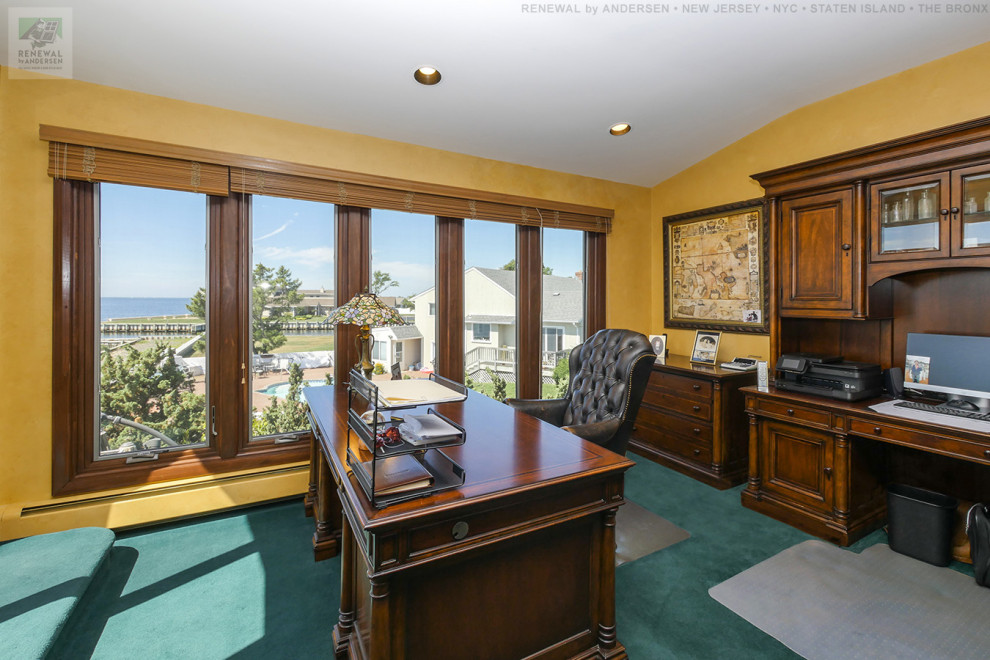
(715, 269)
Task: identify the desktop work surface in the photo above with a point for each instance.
(818, 463)
(519, 561)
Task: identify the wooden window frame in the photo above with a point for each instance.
(74, 468)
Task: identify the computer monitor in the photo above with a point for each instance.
(955, 365)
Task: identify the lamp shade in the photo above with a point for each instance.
(366, 309)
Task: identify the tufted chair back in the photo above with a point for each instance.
(609, 372)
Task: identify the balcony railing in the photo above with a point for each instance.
(502, 362)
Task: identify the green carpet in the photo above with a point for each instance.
(244, 584)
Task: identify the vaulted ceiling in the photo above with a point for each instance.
(531, 83)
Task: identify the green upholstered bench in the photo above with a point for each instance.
(42, 578)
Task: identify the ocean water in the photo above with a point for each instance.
(128, 308)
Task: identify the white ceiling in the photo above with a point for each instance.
(519, 85)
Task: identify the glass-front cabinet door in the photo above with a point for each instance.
(971, 211)
(910, 218)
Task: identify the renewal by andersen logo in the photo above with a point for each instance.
(40, 32)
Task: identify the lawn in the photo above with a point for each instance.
(510, 390)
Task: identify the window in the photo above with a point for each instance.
(553, 339)
(247, 255)
(151, 303)
(403, 267)
(490, 294)
(379, 351)
(292, 296)
(563, 305)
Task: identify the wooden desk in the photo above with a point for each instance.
(809, 467)
(518, 562)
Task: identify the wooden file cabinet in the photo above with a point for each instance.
(692, 420)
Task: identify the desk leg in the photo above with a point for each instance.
(608, 644)
(383, 634)
(309, 501)
(326, 539)
(345, 617)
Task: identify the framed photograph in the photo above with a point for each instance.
(715, 269)
(659, 344)
(705, 347)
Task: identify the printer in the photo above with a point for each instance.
(829, 376)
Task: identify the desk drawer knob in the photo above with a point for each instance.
(459, 531)
(697, 452)
(986, 453)
(877, 430)
(695, 408)
(828, 473)
(696, 431)
(790, 411)
(696, 387)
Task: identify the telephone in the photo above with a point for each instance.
(740, 364)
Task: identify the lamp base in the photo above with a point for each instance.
(364, 342)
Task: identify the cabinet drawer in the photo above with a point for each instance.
(665, 424)
(798, 413)
(926, 441)
(688, 448)
(667, 401)
(690, 388)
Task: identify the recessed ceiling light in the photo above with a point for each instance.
(427, 75)
(620, 129)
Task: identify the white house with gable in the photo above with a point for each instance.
(490, 321)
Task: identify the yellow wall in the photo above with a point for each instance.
(26, 264)
(939, 93)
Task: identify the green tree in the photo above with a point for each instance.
(498, 385)
(274, 294)
(284, 415)
(381, 281)
(512, 266)
(148, 387)
(561, 378)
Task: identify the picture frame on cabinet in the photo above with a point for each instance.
(659, 344)
(705, 347)
(716, 271)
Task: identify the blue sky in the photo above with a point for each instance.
(153, 243)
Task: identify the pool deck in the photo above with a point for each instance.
(259, 400)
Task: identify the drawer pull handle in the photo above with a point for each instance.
(696, 431)
(697, 452)
(986, 453)
(460, 530)
(696, 387)
(790, 411)
(828, 472)
(695, 408)
(877, 430)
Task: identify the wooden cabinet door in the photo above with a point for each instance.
(796, 464)
(970, 211)
(817, 250)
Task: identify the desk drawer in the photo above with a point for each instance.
(690, 388)
(939, 444)
(798, 413)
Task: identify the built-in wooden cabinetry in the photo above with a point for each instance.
(867, 246)
(691, 419)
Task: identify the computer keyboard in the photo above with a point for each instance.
(944, 410)
(928, 416)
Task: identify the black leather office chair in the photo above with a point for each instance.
(609, 372)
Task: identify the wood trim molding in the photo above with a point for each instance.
(529, 297)
(450, 299)
(598, 218)
(353, 247)
(594, 286)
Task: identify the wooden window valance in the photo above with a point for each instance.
(88, 156)
(73, 161)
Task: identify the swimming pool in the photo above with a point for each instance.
(280, 390)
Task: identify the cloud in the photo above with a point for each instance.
(272, 233)
(412, 278)
(313, 257)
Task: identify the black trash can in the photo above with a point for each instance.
(919, 523)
